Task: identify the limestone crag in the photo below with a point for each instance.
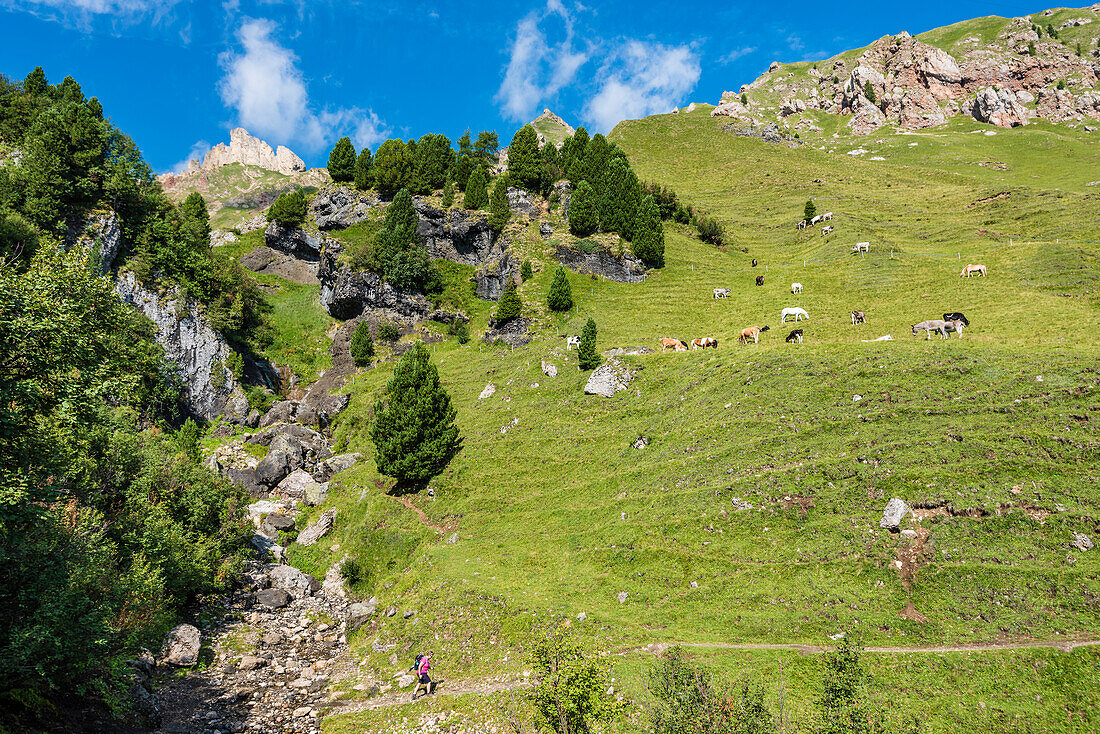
(547, 119)
(624, 269)
(250, 151)
(457, 235)
(295, 241)
(495, 274)
(200, 353)
(100, 235)
(346, 294)
(337, 207)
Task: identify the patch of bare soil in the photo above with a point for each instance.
(271, 262)
(987, 199)
(449, 525)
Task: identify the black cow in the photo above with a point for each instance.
(794, 336)
(754, 262)
(760, 280)
(956, 316)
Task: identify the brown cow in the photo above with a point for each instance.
(703, 342)
(752, 332)
(760, 280)
(674, 344)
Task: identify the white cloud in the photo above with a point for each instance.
(268, 91)
(642, 79)
(735, 54)
(536, 68)
(82, 13)
(198, 150)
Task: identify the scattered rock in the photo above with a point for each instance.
(1082, 542)
(546, 230)
(293, 241)
(487, 392)
(999, 107)
(549, 369)
(359, 614)
(317, 530)
(100, 235)
(625, 269)
(512, 332)
(520, 201)
(740, 504)
(251, 662)
(608, 379)
(621, 596)
(909, 533)
(292, 580)
(181, 646)
(895, 510)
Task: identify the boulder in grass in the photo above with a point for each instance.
(895, 510)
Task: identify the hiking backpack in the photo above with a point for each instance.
(416, 663)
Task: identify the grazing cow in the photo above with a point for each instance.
(827, 230)
(827, 216)
(929, 326)
(794, 336)
(886, 338)
(721, 292)
(754, 262)
(815, 220)
(796, 287)
(572, 341)
(752, 332)
(973, 269)
(674, 344)
(795, 311)
(802, 224)
(956, 326)
(760, 280)
(858, 317)
(703, 342)
(861, 247)
(956, 316)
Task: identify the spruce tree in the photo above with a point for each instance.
(477, 193)
(464, 162)
(649, 235)
(869, 91)
(587, 357)
(572, 154)
(363, 170)
(289, 209)
(744, 99)
(362, 346)
(195, 220)
(583, 216)
(487, 147)
(525, 271)
(433, 157)
(499, 211)
(341, 161)
(510, 305)
(809, 211)
(560, 297)
(593, 167)
(448, 193)
(524, 161)
(619, 197)
(392, 169)
(414, 432)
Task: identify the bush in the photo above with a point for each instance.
(843, 710)
(459, 331)
(235, 364)
(809, 210)
(869, 91)
(1061, 84)
(510, 305)
(414, 433)
(389, 331)
(525, 272)
(397, 253)
(583, 217)
(477, 191)
(341, 161)
(744, 99)
(354, 572)
(1031, 48)
(686, 699)
(570, 691)
(560, 296)
(710, 230)
(587, 357)
(289, 209)
(362, 346)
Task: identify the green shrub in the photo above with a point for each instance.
(393, 167)
(354, 572)
(525, 271)
(1031, 48)
(459, 331)
(448, 193)
(560, 296)
(744, 99)
(710, 230)
(235, 364)
(869, 91)
(510, 305)
(587, 357)
(341, 161)
(570, 693)
(389, 331)
(289, 209)
(361, 346)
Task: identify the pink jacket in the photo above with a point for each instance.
(425, 666)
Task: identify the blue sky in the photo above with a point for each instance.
(178, 75)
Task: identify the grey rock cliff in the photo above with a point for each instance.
(100, 235)
(456, 235)
(337, 207)
(346, 294)
(625, 269)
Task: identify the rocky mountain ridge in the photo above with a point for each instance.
(248, 150)
(904, 81)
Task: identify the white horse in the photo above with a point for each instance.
(795, 311)
(796, 287)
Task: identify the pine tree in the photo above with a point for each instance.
(392, 169)
(525, 271)
(649, 235)
(448, 193)
(510, 305)
(341, 161)
(414, 432)
(433, 157)
(572, 154)
(587, 358)
(486, 148)
(477, 193)
(464, 162)
(195, 224)
(619, 197)
(499, 211)
(524, 159)
(583, 216)
(363, 170)
(744, 99)
(560, 297)
(362, 346)
(593, 167)
(289, 209)
(809, 211)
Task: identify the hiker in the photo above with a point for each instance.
(423, 665)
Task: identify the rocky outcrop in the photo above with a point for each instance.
(999, 107)
(250, 151)
(547, 119)
(295, 241)
(896, 509)
(512, 332)
(337, 207)
(346, 294)
(100, 235)
(609, 378)
(200, 353)
(519, 201)
(493, 277)
(181, 645)
(455, 234)
(625, 269)
(272, 262)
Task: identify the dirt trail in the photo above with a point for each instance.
(443, 529)
(401, 698)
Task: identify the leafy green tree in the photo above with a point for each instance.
(869, 91)
(434, 156)
(649, 234)
(414, 431)
(363, 169)
(341, 161)
(18, 239)
(809, 210)
(686, 698)
(361, 346)
(477, 191)
(464, 161)
(619, 198)
(584, 218)
(560, 295)
(843, 710)
(587, 357)
(499, 211)
(393, 167)
(289, 209)
(524, 160)
(570, 691)
(195, 224)
(448, 193)
(510, 305)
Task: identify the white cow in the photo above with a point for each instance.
(796, 287)
(827, 230)
(826, 216)
(815, 220)
(795, 311)
(802, 224)
(721, 292)
(861, 247)
(573, 341)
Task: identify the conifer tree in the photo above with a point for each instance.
(477, 193)
(619, 197)
(560, 297)
(649, 235)
(362, 346)
(341, 161)
(809, 211)
(524, 159)
(363, 170)
(392, 169)
(433, 157)
(448, 192)
(195, 224)
(499, 211)
(486, 147)
(464, 161)
(572, 154)
(510, 305)
(869, 91)
(593, 167)
(414, 432)
(289, 209)
(583, 216)
(587, 357)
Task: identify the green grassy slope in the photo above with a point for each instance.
(556, 513)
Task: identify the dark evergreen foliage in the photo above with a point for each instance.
(398, 255)
(361, 346)
(289, 210)
(710, 230)
(809, 210)
(363, 164)
(587, 356)
(448, 193)
(434, 157)
(619, 197)
(649, 234)
(525, 271)
(393, 167)
(584, 218)
(869, 91)
(464, 161)
(477, 191)
(510, 305)
(560, 296)
(524, 160)
(486, 148)
(572, 154)
(499, 211)
(341, 161)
